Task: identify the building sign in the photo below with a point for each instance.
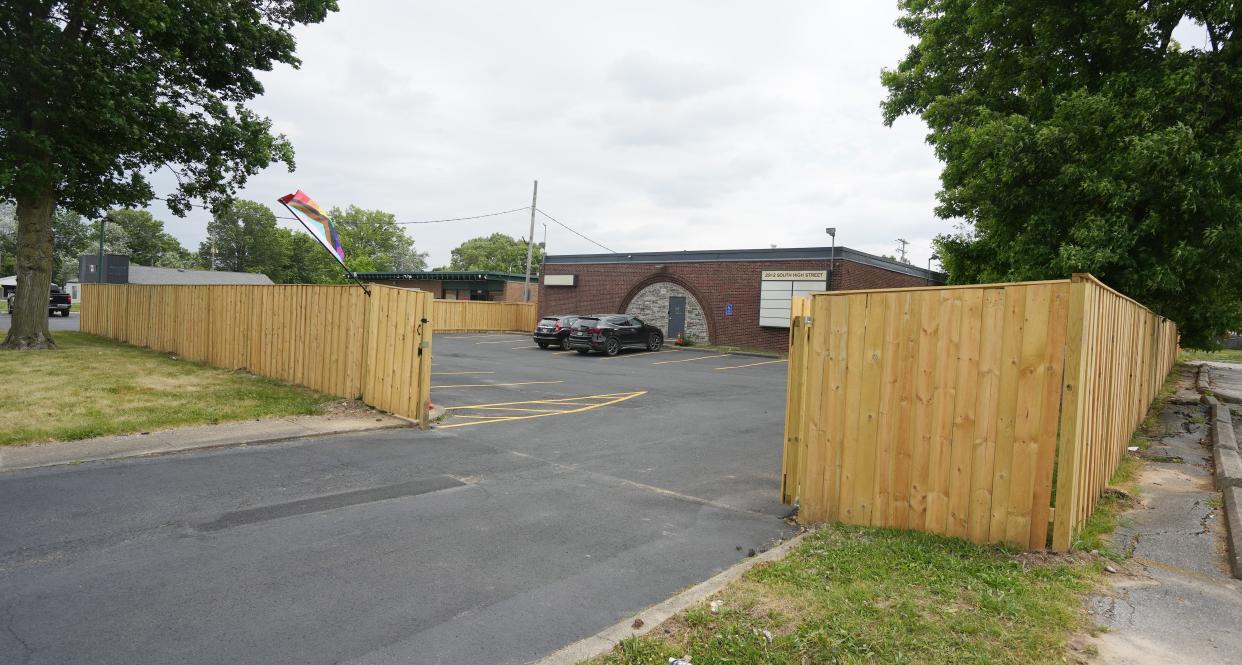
(778, 289)
(558, 280)
(795, 275)
(728, 309)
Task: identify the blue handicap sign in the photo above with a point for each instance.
(729, 309)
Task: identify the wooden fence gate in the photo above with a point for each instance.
(984, 412)
(333, 339)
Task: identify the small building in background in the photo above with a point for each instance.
(737, 297)
(449, 285)
(118, 270)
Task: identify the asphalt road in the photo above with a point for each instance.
(582, 490)
(54, 323)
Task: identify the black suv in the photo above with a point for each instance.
(554, 331)
(612, 332)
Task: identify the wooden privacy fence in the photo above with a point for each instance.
(958, 410)
(483, 316)
(333, 339)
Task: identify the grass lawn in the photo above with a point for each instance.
(857, 595)
(1222, 356)
(92, 387)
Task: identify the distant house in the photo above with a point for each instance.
(136, 274)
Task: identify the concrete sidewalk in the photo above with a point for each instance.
(1225, 381)
(1174, 600)
(13, 458)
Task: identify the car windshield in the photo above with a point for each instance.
(550, 321)
(582, 324)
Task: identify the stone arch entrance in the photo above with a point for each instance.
(666, 304)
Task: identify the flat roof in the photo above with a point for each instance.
(449, 276)
(776, 254)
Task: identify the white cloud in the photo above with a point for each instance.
(650, 125)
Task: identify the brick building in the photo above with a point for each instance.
(730, 297)
(491, 286)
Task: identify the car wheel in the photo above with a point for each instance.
(565, 343)
(542, 345)
(654, 342)
(582, 352)
(612, 347)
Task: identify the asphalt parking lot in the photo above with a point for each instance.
(54, 323)
(560, 494)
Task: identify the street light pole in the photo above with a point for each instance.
(832, 253)
(100, 267)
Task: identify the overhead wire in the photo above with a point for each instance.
(458, 219)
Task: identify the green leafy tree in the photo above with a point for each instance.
(148, 243)
(374, 242)
(72, 238)
(97, 94)
(497, 252)
(1082, 137)
(242, 237)
(304, 261)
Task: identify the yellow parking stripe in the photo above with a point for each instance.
(530, 346)
(497, 385)
(457, 373)
(690, 360)
(498, 341)
(613, 398)
(766, 362)
(556, 400)
(509, 408)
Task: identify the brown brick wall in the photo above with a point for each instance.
(603, 288)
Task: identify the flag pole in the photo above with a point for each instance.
(348, 273)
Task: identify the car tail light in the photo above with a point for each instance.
(597, 331)
(558, 327)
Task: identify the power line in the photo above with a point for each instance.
(462, 219)
(567, 228)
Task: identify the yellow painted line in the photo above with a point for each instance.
(498, 341)
(531, 346)
(457, 373)
(690, 360)
(511, 408)
(766, 362)
(558, 400)
(559, 353)
(497, 385)
(617, 398)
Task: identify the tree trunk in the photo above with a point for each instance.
(34, 273)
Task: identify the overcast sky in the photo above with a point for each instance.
(649, 125)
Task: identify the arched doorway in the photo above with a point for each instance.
(671, 307)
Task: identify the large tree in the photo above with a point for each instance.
(1080, 136)
(148, 243)
(242, 237)
(95, 95)
(497, 252)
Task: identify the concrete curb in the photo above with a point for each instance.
(604, 641)
(224, 435)
(1233, 522)
(1228, 476)
(1203, 380)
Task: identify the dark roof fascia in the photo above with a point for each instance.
(464, 276)
(778, 254)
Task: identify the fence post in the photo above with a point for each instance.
(424, 362)
(791, 459)
(1073, 399)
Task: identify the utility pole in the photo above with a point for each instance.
(901, 251)
(530, 241)
(100, 268)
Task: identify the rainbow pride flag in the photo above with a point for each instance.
(320, 224)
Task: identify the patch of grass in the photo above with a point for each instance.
(1221, 356)
(857, 595)
(1215, 502)
(92, 387)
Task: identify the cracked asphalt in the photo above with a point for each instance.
(1176, 601)
(495, 542)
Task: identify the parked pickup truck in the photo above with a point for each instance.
(58, 301)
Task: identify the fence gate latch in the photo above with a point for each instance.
(421, 346)
(808, 320)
